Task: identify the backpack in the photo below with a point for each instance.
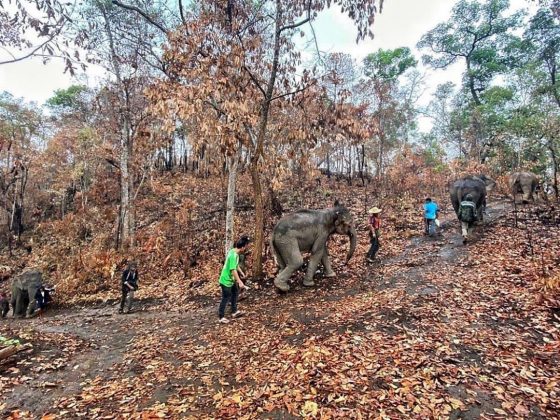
(467, 211)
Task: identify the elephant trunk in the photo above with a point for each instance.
(353, 239)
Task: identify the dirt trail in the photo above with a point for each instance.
(411, 298)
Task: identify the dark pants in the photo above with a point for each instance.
(228, 294)
(429, 226)
(374, 247)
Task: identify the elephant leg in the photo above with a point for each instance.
(31, 291)
(13, 303)
(325, 260)
(19, 308)
(293, 259)
(526, 194)
(312, 268)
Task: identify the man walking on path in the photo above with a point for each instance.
(129, 286)
(230, 280)
(374, 224)
(430, 215)
(467, 216)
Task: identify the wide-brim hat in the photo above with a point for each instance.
(374, 210)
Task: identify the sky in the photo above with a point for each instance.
(401, 24)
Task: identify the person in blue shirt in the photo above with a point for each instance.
(430, 215)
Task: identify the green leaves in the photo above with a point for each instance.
(388, 65)
(478, 33)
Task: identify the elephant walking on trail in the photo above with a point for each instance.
(308, 231)
(525, 183)
(477, 186)
(24, 289)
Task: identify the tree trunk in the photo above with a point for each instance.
(259, 147)
(259, 220)
(554, 169)
(471, 83)
(233, 162)
(126, 208)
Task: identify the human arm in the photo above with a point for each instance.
(235, 275)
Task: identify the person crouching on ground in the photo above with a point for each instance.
(430, 215)
(374, 225)
(129, 286)
(230, 280)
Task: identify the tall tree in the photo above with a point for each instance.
(480, 34)
(240, 60)
(383, 69)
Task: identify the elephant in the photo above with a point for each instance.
(308, 231)
(525, 183)
(475, 185)
(24, 289)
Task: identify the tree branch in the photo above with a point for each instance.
(301, 22)
(16, 59)
(181, 12)
(141, 13)
(295, 91)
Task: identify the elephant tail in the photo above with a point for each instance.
(277, 257)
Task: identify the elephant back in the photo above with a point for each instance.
(27, 279)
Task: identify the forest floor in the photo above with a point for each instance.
(435, 329)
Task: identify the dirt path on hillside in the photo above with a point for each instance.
(402, 300)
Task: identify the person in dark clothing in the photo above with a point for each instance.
(43, 297)
(374, 224)
(4, 305)
(129, 286)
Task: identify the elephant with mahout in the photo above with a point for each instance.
(24, 289)
(308, 231)
(475, 185)
(525, 183)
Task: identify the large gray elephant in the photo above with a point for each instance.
(24, 289)
(523, 183)
(475, 185)
(308, 231)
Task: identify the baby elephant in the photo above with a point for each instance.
(24, 289)
(525, 183)
(308, 231)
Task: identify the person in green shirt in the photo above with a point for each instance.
(230, 279)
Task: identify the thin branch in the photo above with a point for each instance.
(15, 60)
(295, 91)
(316, 44)
(300, 23)
(141, 13)
(181, 11)
(254, 79)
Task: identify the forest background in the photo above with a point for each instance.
(214, 119)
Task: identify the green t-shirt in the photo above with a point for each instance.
(232, 262)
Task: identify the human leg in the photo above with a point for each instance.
(123, 299)
(226, 297)
(373, 248)
(234, 298)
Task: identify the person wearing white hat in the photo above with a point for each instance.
(374, 224)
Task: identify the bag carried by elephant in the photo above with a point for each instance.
(467, 212)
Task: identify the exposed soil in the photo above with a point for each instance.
(108, 350)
